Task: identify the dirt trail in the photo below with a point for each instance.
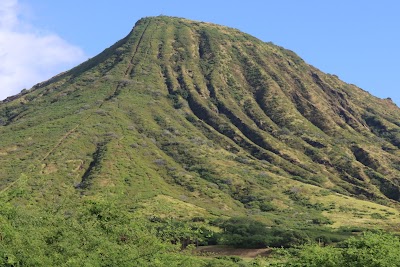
(230, 251)
(60, 142)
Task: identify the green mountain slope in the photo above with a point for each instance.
(186, 120)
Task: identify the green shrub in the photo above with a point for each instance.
(248, 233)
(370, 250)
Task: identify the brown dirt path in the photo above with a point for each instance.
(230, 251)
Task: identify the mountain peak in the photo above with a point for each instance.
(211, 121)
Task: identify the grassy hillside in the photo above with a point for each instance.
(186, 124)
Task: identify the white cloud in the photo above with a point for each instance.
(28, 56)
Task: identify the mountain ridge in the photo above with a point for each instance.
(307, 105)
(186, 120)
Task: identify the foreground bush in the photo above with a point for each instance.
(370, 250)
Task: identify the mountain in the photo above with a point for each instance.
(195, 122)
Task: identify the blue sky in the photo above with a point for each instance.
(358, 40)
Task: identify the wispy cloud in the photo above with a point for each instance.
(28, 56)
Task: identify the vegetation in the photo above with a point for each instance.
(372, 249)
(187, 134)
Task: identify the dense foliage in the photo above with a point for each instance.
(95, 234)
(370, 250)
(248, 233)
